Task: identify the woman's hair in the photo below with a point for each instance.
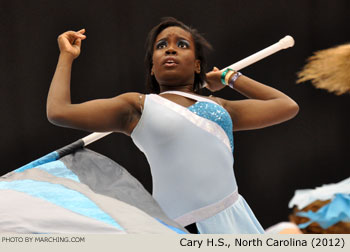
(201, 47)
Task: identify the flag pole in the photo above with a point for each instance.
(94, 137)
(283, 43)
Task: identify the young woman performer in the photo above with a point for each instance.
(187, 138)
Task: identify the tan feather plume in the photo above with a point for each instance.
(329, 69)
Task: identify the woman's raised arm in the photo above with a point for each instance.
(120, 113)
(265, 107)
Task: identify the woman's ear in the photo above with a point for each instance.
(197, 66)
(152, 72)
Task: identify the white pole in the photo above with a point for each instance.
(94, 137)
(284, 43)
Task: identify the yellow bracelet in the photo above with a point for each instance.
(229, 75)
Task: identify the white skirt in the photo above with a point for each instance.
(236, 219)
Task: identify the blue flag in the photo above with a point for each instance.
(76, 190)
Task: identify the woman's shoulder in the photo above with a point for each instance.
(130, 97)
(133, 99)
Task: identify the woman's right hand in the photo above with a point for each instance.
(70, 42)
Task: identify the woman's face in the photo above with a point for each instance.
(174, 61)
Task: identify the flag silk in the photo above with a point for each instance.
(76, 190)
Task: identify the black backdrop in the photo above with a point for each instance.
(310, 150)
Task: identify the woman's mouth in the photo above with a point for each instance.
(169, 62)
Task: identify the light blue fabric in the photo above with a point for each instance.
(184, 157)
(236, 219)
(58, 168)
(335, 211)
(192, 165)
(43, 160)
(214, 113)
(52, 165)
(61, 196)
(239, 218)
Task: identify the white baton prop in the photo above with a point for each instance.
(284, 43)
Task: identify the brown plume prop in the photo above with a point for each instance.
(329, 69)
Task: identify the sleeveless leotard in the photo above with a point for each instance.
(190, 154)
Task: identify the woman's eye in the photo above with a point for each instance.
(161, 44)
(183, 44)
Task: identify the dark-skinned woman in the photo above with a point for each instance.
(186, 138)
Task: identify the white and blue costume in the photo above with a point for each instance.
(190, 154)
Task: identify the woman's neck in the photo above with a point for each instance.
(184, 88)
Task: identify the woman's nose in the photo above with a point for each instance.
(170, 51)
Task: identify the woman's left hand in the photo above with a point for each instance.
(214, 80)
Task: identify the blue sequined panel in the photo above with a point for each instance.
(214, 113)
